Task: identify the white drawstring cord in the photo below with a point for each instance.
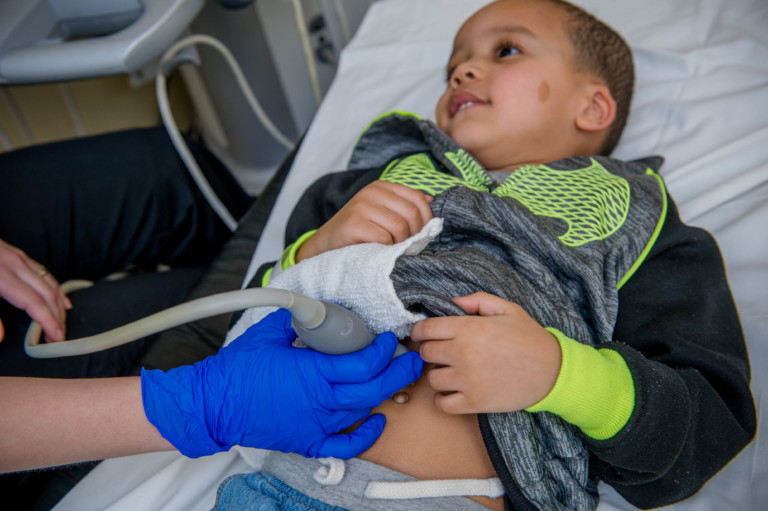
(331, 472)
(437, 488)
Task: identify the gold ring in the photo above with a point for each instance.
(42, 272)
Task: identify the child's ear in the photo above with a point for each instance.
(599, 109)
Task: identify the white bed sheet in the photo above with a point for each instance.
(701, 101)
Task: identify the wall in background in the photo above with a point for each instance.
(35, 114)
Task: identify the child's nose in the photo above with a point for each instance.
(466, 71)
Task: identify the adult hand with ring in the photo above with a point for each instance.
(28, 285)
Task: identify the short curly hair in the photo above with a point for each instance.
(601, 51)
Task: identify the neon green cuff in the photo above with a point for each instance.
(594, 389)
(288, 258)
(266, 277)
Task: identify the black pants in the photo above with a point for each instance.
(88, 207)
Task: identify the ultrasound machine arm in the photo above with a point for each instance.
(60, 40)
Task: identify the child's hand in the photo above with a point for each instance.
(500, 360)
(382, 212)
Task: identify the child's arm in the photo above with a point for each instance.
(678, 331)
(382, 212)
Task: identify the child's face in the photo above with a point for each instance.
(512, 90)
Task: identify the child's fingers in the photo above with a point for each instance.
(406, 222)
(453, 403)
(367, 223)
(485, 304)
(445, 379)
(440, 339)
(398, 226)
(388, 219)
(440, 352)
(442, 328)
(412, 214)
(415, 198)
(378, 229)
(382, 212)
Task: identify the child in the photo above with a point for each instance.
(612, 323)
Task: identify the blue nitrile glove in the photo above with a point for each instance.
(260, 391)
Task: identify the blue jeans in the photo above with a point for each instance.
(262, 492)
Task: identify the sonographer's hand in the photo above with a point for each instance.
(27, 285)
(260, 391)
(498, 359)
(382, 212)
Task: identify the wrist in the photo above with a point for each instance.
(594, 389)
(171, 402)
(296, 251)
(289, 257)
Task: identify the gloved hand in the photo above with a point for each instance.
(260, 391)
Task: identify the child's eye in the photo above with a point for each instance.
(506, 50)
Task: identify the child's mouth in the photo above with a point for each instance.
(464, 100)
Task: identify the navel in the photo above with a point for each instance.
(543, 91)
(401, 397)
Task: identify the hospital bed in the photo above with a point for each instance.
(701, 101)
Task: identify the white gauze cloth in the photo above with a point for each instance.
(355, 277)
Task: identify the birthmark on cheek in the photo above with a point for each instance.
(543, 91)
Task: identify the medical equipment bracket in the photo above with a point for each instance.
(55, 40)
